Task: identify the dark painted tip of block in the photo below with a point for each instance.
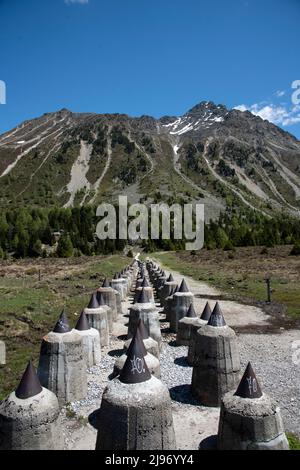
(183, 286)
(145, 283)
(170, 278)
(249, 386)
(82, 324)
(29, 385)
(143, 297)
(116, 276)
(191, 312)
(100, 299)
(105, 283)
(135, 369)
(206, 312)
(216, 318)
(93, 301)
(62, 325)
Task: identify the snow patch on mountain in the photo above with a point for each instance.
(189, 123)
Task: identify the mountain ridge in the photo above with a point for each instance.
(211, 154)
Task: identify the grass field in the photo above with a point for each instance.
(33, 293)
(240, 273)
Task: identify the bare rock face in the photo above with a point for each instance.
(229, 138)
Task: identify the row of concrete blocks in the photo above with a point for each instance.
(141, 411)
(175, 300)
(62, 368)
(138, 407)
(246, 422)
(29, 416)
(145, 312)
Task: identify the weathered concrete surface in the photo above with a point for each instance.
(185, 326)
(140, 412)
(118, 301)
(193, 339)
(98, 319)
(150, 344)
(109, 298)
(217, 364)
(118, 285)
(148, 313)
(62, 368)
(30, 424)
(151, 361)
(165, 291)
(250, 424)
(91, 346)
(179, 307)
(2, 353)
(147, 290)
(168, 306)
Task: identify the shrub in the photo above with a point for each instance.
(228, 246)
(295, 251)
(64, 247)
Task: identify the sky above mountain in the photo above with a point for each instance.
(149, 57)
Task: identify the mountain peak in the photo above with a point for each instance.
(203, 106)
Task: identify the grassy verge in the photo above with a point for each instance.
(30, 305)
(294, 442)
(241, 273)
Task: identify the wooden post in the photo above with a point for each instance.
(268, 282)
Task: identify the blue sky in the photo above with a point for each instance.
(151, 57)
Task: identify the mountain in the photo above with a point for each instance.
(210, 154)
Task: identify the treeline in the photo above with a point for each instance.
(235, 229)
(34, 232)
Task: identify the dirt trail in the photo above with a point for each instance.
(235, 313)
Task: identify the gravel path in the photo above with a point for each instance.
(270, 354)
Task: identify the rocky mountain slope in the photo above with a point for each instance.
(210, 154)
